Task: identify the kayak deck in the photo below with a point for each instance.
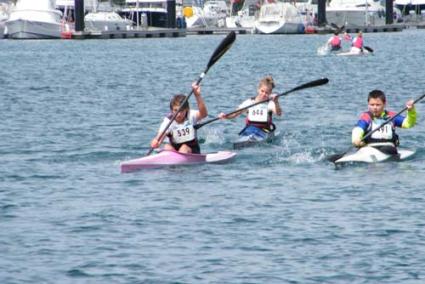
(253, 140)
(353, 53)
(369, 154)
(172, 158)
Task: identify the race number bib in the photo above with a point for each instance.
(258, 113)
(385, 132)
(183, 133)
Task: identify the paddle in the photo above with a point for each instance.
(368, 48)
(225, 44)
(338, 29)
(311, 84)
(335, 157)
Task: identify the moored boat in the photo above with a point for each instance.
(375, 154)
(34, 20)
(279, 18)
(106, 21)
(357, 13)
(166, 158)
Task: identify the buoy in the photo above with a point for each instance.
(188, 12)
(310, 30)
(66, 35)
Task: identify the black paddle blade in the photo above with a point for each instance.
(368, 48)
(334, 158)
(335, 26)
(338, 29)
(312, 84)
(222, 48)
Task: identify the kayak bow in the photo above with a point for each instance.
(172, 158)
(370, 154)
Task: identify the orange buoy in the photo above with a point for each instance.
(188, 12)
(66, 35)
(310, 30)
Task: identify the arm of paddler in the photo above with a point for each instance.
(410, 120)
(357, 136)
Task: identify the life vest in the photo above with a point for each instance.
(183, 133)
(260, 116)
(358, 42)
(336, 41)
(385, 133)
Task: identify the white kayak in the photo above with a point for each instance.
(354, 52)
(370, 154)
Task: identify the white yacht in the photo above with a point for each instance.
(146, 13)
(31, 19)
(411, 7)
(279, 18)
(356, 13)
(106, 21)
(308, 10)
(4, 15)
(212, 14)
(243, 14)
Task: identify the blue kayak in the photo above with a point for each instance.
(253, 136)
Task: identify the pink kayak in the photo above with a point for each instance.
(170, 158)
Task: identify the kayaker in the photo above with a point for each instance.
(181, 133)
(335, 41)
(375, 116)
(357, 43)
(259, 117)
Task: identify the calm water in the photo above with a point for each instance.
(72, 110)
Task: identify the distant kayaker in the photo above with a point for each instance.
(181, 133)
(259, 117)
(375, 116)
(356, 43)
(335, 41)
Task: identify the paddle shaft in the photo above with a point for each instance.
(338, 156)
(225, 44)
(315, 83)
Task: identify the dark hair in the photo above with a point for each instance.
(377, 94)
(177, 100)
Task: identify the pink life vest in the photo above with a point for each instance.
(336, 41)
(358, 42)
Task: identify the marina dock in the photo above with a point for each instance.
(163, 32)
(137, 33)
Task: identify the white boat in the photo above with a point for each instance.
(279, 18)
(106, 21)
(245, 16)
(373, 154)
(4, 15)
(308, 10)
(217, 11)
(356, 13)
(410, 7)
(152, 13)
(212, 14)
(31, 19)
